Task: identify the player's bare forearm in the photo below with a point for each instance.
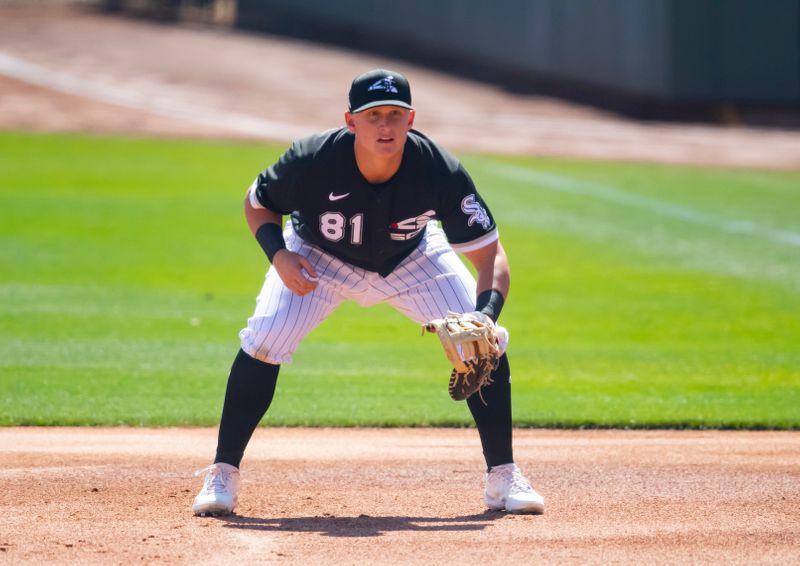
(256, 217)
(491, 264)
(294, 270)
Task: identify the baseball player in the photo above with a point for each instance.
(365, 202)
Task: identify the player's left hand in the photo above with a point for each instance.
(470, 342)
(502, 333)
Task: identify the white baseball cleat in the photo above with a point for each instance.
(220, 492)
(508, 490)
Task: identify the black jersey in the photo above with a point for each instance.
(373, 226)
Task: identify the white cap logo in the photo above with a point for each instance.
(386, 84)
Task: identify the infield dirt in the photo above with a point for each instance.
(400, 496)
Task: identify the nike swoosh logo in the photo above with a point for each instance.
(338, 197)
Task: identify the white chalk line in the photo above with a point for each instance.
(19, 69)
(591, 189)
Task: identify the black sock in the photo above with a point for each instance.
(251, 385)
(494, 418)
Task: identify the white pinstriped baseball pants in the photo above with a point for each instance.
(426, 285)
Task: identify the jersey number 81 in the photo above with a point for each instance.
(332, 226)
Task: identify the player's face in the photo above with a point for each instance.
(381, 130)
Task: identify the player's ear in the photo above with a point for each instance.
(348, 120)
(411, 115)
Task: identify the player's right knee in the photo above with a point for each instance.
(267, 347)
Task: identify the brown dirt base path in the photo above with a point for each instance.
(356, 496)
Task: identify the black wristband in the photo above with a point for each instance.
(270, 237)
(490, 303)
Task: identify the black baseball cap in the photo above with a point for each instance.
(379, 87)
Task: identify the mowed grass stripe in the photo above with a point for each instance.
(126, 271)
(590, 189)
(669, 241)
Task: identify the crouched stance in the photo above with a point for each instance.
(365, 202)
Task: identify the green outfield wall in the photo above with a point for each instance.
(705, 51)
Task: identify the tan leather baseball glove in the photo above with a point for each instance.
(471, 344)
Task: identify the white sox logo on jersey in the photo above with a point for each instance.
(476, 212)
(415, 225)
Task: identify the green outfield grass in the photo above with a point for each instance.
(642, 295)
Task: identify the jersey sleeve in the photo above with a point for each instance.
(275, 187)
(466, 220)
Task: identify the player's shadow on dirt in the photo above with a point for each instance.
(362, 525)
